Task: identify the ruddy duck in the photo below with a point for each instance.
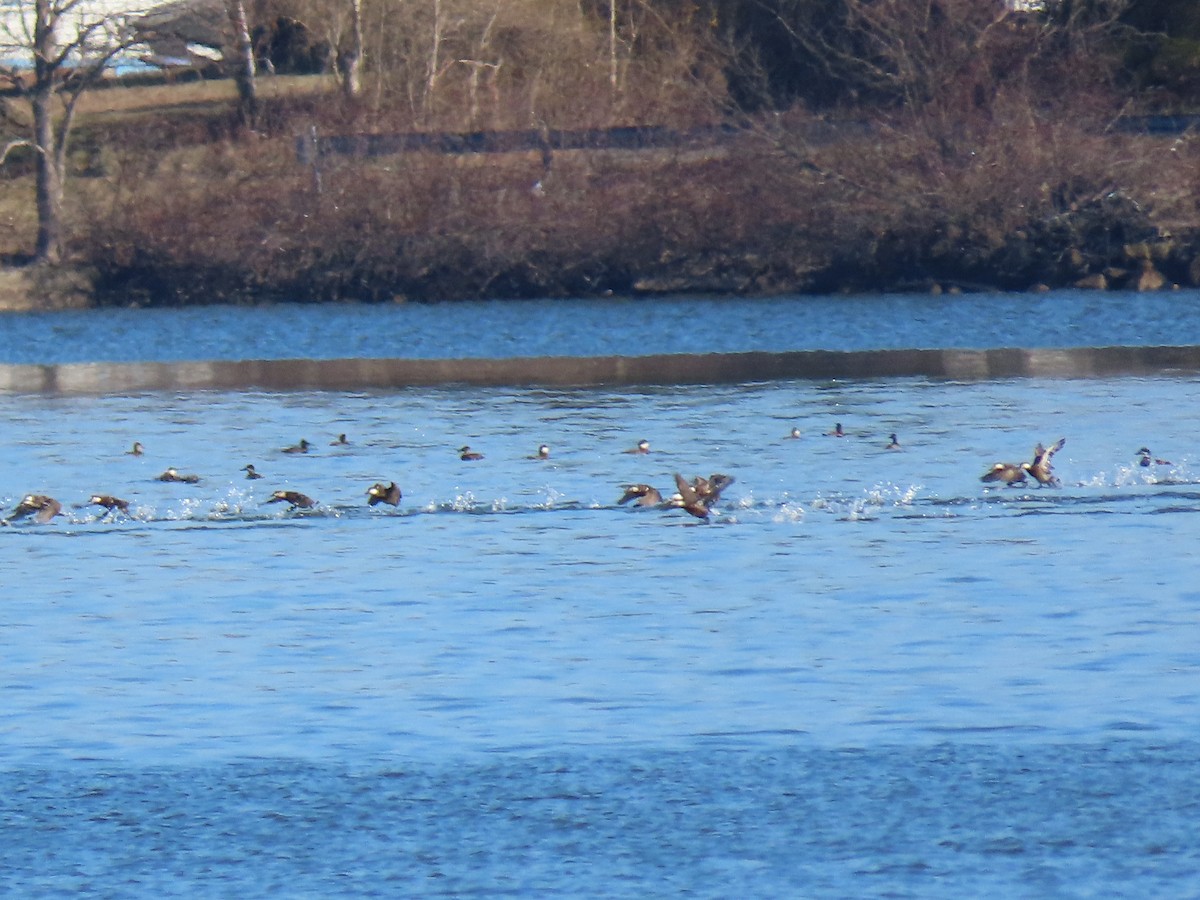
(642, 493)
(251, 474)
(136, 450)
(383, 493)
(110, 503)
(893, 444)
(1009, 473)
(41, 507)
(709, 489)
(794, 434)
(1147, 459)
(340, 441)
(689, 499)
(301, 447)
(295, 498)
(837, 430)
(642, 446)
(1040, 467)
(466, 454)
(172, 474)
(543, 452)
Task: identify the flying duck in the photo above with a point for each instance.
(466, 454)
(689, 499)
(709, 489)
(110, 503)
(301, 447)
(383, 493)
(295, 498)
(41, 507)
(1040, 467)
(172, 474)
(1009, 473)
(642, 493)
(251, 473)
(642, 446)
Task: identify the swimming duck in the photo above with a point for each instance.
(794, 434)
(301, 447)
(339, 441)
(136, 450)
(642, 446)
(1040, 467)
(689, 499)
(543, 452)
(642, 493)
(251, 473)
(1147, 459)
(172, 474)
(295, 498)
(466, 454)
(110, 503)
(41, 507)
(893, 444)
(383, 493)
(837, 430)
(1009, 473)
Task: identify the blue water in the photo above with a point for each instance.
(604, 327)
(869, 675)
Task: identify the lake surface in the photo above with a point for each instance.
(498, 329)
(868, 674)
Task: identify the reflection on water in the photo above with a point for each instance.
(871, 673)
(613, 327)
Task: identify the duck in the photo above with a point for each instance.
(837, 430)
(709, 489)
(794, 434)
(172, 474)
(42, 507)
(301, 447)
(689, 499)
(466, 454)
(642, 446)
(1147, 459)
(644, 494)
(383, 493)
(110, 503)
(1040, 467)
(136, 450)
(340, 441)
(893, 444)
(251, 472)
(543, 452)
(295, 498)
(1009, 473)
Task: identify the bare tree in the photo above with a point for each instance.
(62, 48)
(242, 63)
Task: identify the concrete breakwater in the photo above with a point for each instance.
(603, 371)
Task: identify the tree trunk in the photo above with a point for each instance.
(48, 160)
(350, 58)
(243, 63)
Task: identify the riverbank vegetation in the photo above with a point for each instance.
(879, 144)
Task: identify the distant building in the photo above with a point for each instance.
(187, 33)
